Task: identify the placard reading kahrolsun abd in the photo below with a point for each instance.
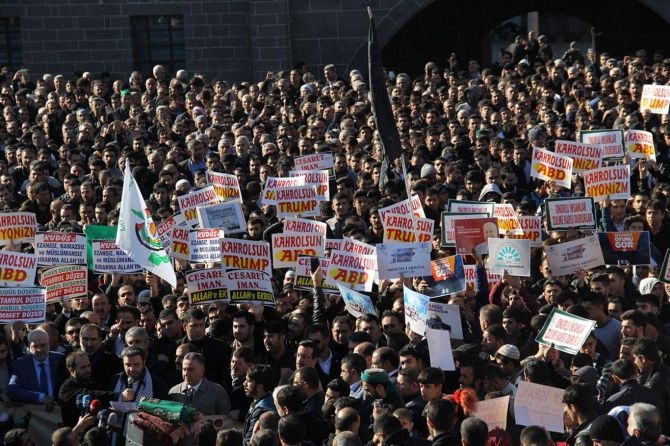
(228, 216)
(273, 183)
(508, 221)
(397, 259)
(246, 254)
(532, 231)
(109, 258)
(640, 144)
(357, 304)
(493, 412)
(585, 156)
(287, 247)
(206, 286)
(303, 275)
(655, 98)
(611, 182)
(565, 331)
(536, 404)
(250, 287)
(549, 166)
(60, 248)
(510, 256)
(470, 207)
(189, 203)
(402, 228)
(625, 248)
(17, 227)
(566, 213)
(65, 282)
(448, 238)
(205, 245)
(17, 268)
(165, 227)
(664, 273)
(448, 276)
(611, 142)
(355, 271)
(226, 186)
(318, 179)
(300, 201)
(443, 316)
(566, 258)
(27, 304)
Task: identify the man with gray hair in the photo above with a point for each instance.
(208, 397)
(347, 438)
(644, 423)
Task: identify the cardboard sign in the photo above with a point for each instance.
(493, 412)
(189, 203)
(397, 259)
(318, 179)
(165, 227)
(402, 228)
(611, 142)
(448, 276)
(532, 230)
(108, 258)
(17, 227)
(287, 247)
(640, 144)
(27, 304)
(510, 256)
(301, 201)
(565, 331)
(249, 286)
(625, 248)
(303, 275)
(655, 98)
(448, 234)
(355, 271)
(550, 166)
(439, 349)
(357, 304)
(508, 221)
(65, 282)
(470, 207)
(566, 213)
(611, 181)
(205, 245)
(416, 310)
(304, 226)
(206, 286)
(226, 186)
(443, 316)
(585, 156)
(246, 254)
(566, 258)
(473, 234)
(314, 161)
(17, 268)
(269, 195)
(227, 215)
(536, 404)
(664, 273)
(404, 207)
(60, 248)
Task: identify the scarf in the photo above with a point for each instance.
(143, 389)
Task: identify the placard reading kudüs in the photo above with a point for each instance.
(550, 166)
(357, 304)
(227, 215)
(402, 228)
(625, 248)
(205, 245)
(17, 268)
(57, 248)
(566, 258)
(273, 183)
(532, 230)
(536, 404)
(108, 258)
(226, 186)
(611, 142)
(298, 202)
(604, 182)
(566, 213)
(416, 310)
(246, 254)
(448, 276)
(287, 247)
(397, 259)
(510, 256)
(448, 234)
(189, 203)
(585, 156)
(27, 304)
(318, 179)
(206, 286)
(65, 282)
(355, 271)
(165, 227)
(565, 331)
(640, 144)
(17, 227)
(249, 286)
(655, 98)
(508, 221)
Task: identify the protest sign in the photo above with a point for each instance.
(550, 166)
(448, 235)
(508, 221)
(165, 227)
(304, 226)
(303, 275)
(206, 286)
(318, 179)
(404, 207)
(566, 213)
(97, 232)
(416, 310)
(611, 182)
(315, 161)
(226, 186)
(532, 230)
(404, 228)
(398, 259)
(655, 98)
(60, 248)
(473, 234)
(585, 156)
(356, 247)
(537, 404)
(227, 216)
(287, 247)
(189, 203)
(334, 244)
(355, 271)
(448, 276)
(17, 227)
(566, 258)
(470, 207)
(470, 272)
(443, 316)
(17, 268)
(27, 304)
(179, 248)
(565, 331)
(625, 248)
(439, 349)
(65, 282)
(108, 258)
(249, 286)
(509, 256)
(640, 144)
(204, 245)
(269, 195)
(246, 254)
(357, 304)
(493, 412)
(299, 201)
(611, 142)
(664, 273)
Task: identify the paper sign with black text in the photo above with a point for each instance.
(227, 216)
(565, 331)
(205, 245)
(314, 161)
(566, 213)
(611, 142)
(108, 258)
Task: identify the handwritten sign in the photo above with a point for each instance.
(655, 98)
(550, 166)
(585, 156)
(611, 181)
(566, 213)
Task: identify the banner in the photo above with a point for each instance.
(404, 207)
(416, 310)
(585, 156)
(189, 203)
(287, 247)
(397, 259)
(318, 179)
(509, 256)
(473, 234)
(204, 245)
(355, 271)
(226, 186)
(269, 195)
(65, 282)
(640, 144)
(299, 201)
(165, 227)
(470, 207)
(604, 182)
(227, 215)
(549, 166)
(304, 226)
(566, 258)
(246, 254)
(17, 227)
(108, 258)
(532, 230)
(27, 304)
(625, 248)
(611, 142)
(664, 273)
(60, 248)
(439, 349)
(206, 286)
(565, 331)
(303, 275)
(448, 234)
(448, 276)
(402, 228)
(493, 412)
(508, 221)
(566, 213)
(357, 304)
(250, 287)
(655, 98)
(536, 404)
(314, 161)
(443, 316)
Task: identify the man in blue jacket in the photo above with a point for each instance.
(259, 386)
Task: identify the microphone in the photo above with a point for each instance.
(85, 404)
(103, 418)
(80, 407)
(95, 407)
(130, 382)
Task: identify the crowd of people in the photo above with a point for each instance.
(304, 371)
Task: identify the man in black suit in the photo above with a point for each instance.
(217, 352)
(104, 364)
